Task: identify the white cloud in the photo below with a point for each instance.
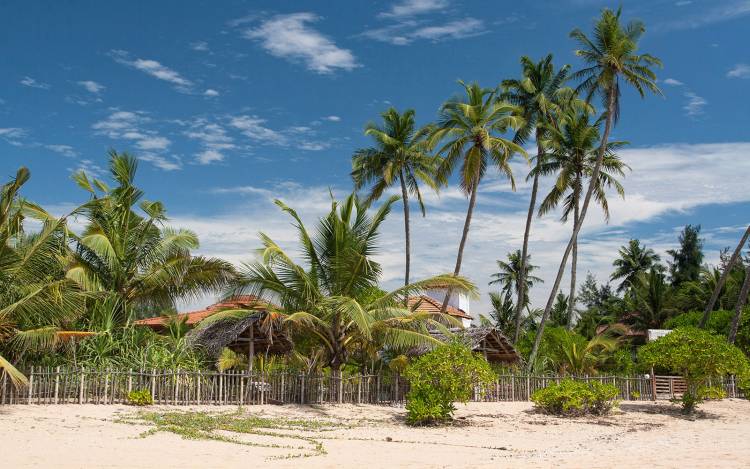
(209, 156)
(65, 150)
(167, 164)
(665, 179)
(673, 82)
(332, 118)
(290, 37)
(257, 130)
(200, 46)
(154, 69)
(211, 93)
(32, 83)
(695, 104)
(739, 71)
(132, 126)
(407, 31)
(12, 132)
(213, 138)
(408, 8)
(92, 86)
(716, 11)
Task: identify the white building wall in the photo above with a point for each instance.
(457, 300)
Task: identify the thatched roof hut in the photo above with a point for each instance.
(487, 340)
(244, 335)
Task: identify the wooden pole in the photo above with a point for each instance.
(57, 383)
(653, 384)
(153, 385)
(31, 384)
(198, 400)
(82, 383)
(106, 385)
(251, 348)
(130, 380)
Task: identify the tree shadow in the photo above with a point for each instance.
(672, 410)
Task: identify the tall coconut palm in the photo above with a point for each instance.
(132, 258)
(538, 94)
(739, 306)
(400, 155)
(511, 276)
(610, 56)
(572, 156)
(333, 296)
(635, 259)
(724, 275)
(472, 127)
(36, 301)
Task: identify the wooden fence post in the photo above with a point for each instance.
(528, 388)
(106, 385)
(82, 382)
(31, 384)
(57, 383)
(130, 381)
(302, 389)
(153, 385)
(198, 400)
(653, 384)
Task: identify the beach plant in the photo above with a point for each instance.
(634, 260)
(400, 155)
(470, 129)
(448, 374)
(332, 296)
(611, 56)
(571, 398)
(697, 356)
(140, 397)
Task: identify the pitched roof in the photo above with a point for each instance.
(427, 304)
(194, 317)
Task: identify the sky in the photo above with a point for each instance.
(229, 107)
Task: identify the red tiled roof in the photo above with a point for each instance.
(431, 305)
(194, 317)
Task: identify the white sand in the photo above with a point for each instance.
(486, 435)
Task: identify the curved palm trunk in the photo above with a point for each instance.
(577, 226)
(524, 251)
(723, 279)
(741, 301)
(405, 197)
(573, 270)
(464, 236)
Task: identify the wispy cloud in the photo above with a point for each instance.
(172, 163)
(65, 150)
(200, 46)
(408, 8)
(211, 93)
(292, 38)
(155, 69)
(739, 71)
(257, 130)
(213, 138)
(694, 105)
(714, 11)
(32, 83)
(92, 86)
(332, 118)
(673, 82)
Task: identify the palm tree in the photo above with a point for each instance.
(538, 94)
(132, 258)
(727, 269)
(36, 300)
(578, 357)
(502, 312)
(572, 155)
(610, 56)
(741, 302)
(651, 301)
(634, 260)
(510, 273)
(472, 126)
(334, 296)
(400, 154)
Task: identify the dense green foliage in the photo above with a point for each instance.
(575, 398)
(696, 355)
(442, 377)
(140, 397)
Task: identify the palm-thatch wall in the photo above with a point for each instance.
(487, 340)
(237, 334)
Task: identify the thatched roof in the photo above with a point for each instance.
(235, 333)
(487, 340)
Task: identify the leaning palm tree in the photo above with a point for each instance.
(539, 93)
(36, 301)
(333, 296)
(611, 56)
(572, 156)
(634, 260)
(512, 276)
(471, 127)
(131, 258)
(724, 275)
(400, 155)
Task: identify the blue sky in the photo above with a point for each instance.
(229, 107)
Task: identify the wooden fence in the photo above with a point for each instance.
(82, 386)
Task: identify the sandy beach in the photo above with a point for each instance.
(485, 435)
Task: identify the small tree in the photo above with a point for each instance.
(696, 355)
(446, 375)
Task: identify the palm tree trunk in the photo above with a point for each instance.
(464, 236)
(407, 234)
(577, 227)
(527, 232)
(573, 270)
(723, 278)
(741, 301)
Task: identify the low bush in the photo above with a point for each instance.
(711, 393)
(574, 398)
(446, 375)
(140, 397)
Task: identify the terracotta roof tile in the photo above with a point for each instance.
(427, 304)
(194, 317)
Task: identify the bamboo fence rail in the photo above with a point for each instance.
(180, 387)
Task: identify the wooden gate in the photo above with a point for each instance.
(669, 387)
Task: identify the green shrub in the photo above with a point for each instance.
(140, 397)
(711, 393)
(635, 395)
(696, 355)
(573, 398)
(446, 375)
